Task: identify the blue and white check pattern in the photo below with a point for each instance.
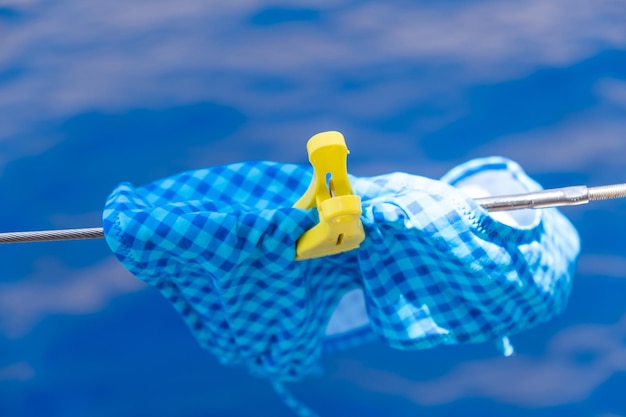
(435, 268)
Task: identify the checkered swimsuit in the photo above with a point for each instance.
(435, 268)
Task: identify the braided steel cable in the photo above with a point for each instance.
(52, 235)
(567, 196)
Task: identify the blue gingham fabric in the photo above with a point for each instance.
(435, 268)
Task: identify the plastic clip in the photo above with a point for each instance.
(339, 228)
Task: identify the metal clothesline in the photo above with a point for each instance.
(566, 196)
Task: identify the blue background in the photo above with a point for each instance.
(93, 93)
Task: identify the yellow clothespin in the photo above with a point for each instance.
(340, 228)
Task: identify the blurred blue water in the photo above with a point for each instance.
(95, 93)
